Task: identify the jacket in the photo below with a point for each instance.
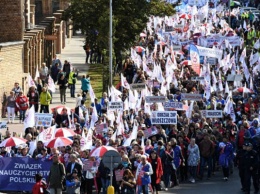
(33, 97)
(159, 170)
(85, 84)
(22, 102)
(62, 83)
(207, 148)
(38, 187)
(72, 77)
(57, 175)
(45, 98)
(141, 177)
(72, 186)
(76, 166)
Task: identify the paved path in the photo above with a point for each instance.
(74, 53)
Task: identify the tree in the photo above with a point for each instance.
(129, 19)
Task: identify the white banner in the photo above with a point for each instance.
(210, 52)
(43, 119)
(47, 134)
(164, 117)
(188, 96)
(174, 105)
(154, 99)
(212, 113)
(115, 105)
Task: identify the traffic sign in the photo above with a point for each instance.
(111, 159)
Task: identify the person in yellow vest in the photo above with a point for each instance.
(250, 37)
(45, 99)
(72, 82)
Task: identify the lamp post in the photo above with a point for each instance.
(110, 44)
(229, 13)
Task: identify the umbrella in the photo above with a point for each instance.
(59, 142)
(13, 141)
(186, 62)
(64, 132)
(243, 89)
(142, 35)
(185, 16)
(100, 151)
(139, 49)
(60, 108)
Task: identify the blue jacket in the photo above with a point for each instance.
(85, 84)
(177, 156)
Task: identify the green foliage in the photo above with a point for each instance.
(129, 19)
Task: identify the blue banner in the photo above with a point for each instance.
(17, 174)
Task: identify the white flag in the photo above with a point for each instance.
(124, 82)
(29, 121)
(89, 141)
(91, 93)
(94, 117)
(190, 109)
(37, 74)
(51, 85)
(31, 82)
(226, 88)
(132, 136)
(47, 134)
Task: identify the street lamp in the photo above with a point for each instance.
(110, 43)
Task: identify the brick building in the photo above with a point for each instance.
(31, 33)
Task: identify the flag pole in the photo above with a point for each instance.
(110, 43)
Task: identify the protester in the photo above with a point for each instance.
(22, 105)
(10, 105)
(56, 176)
(45, 98)
(73, 183)
(85, 82)
(63, 83)
(40, 186)
(43, 70)
(72, 81)
(193, 159)
(33, 98)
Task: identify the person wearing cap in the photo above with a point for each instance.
(43, 155)
(249, 168)
(73, 183)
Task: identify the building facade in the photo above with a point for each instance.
(32, 32)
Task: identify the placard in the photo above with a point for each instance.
(212, 61)
(115, 105)
(119, 174)
(176, 48)
(212, 113)
(153, 83)
(168, 28)
(188, 96)
(100, 128)
(139, 86)
(173, 105)
(210, 52)
(150, 132)
(232, 77)
(89, 165)
(164, 117)
(3, 125)
(43, 119)
(179, 26)
(197, 78)
(154, 99)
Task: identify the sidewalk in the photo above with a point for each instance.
(75, 54)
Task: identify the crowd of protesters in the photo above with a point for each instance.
(174, 153)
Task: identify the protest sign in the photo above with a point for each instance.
(210, 52)
(212, 113)
(119, 174)
(100, 128)
(154, 99)
(43, 119)
(212, 61)
(17, 173)
(197, 78)
(164, 117)
(168, 28)
(115, 105)
(189, 96)
(89, 165)
(47, 134)
(173, 105)
(232, 77)
(150, 132)
(153, 83)
(3, 125)
(139, 86)
(194, 58)
(176, 48)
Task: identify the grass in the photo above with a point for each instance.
(95, 72)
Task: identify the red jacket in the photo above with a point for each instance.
(159, 170)
(22, 102)
(38, 188)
